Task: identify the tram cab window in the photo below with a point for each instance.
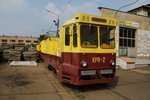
(74, 35)
(107, 37)
(67, 36)
(89, 36)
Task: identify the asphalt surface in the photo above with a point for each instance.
(38, 83)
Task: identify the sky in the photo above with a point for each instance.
(30, 18)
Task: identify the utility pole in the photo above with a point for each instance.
(56, 23)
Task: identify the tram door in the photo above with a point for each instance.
(68, 44)
(73, 43)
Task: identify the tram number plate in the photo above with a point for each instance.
(106, 71)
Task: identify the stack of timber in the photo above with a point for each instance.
(16, 54)
(32, 48)
(11, 46)
(30, 55)
(1, 52)
(12, 53)
(5, 46)
(5, 51)
(19, 46)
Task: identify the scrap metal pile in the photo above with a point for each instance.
(17, 52)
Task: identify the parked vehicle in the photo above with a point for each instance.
(85, 51)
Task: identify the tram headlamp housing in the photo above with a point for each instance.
(112, 63)
(84, 64)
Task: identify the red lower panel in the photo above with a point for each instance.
(69, 65)
(97, 81)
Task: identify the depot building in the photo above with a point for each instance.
(18, 39)
(132, 31)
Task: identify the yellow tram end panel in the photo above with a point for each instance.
(42, 46)
(55, 46)
(86, 18)
(50, 46)
(38, 47)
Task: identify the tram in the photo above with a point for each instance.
(85, 51)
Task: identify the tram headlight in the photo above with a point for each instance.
(112, 63)
(84, 64)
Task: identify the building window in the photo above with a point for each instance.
(123, 51)
(4, 40)
(20, 40)
(127, 37)
(12, 40)
(35, 41)
(28, 41)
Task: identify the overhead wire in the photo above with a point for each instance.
(125, 6)
(51, 26)
(67, 4)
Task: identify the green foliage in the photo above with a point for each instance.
(42, 37)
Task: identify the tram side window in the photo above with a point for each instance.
(67, 36)
(107, 37)
(74, 35)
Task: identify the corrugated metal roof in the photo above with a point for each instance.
(143, 6)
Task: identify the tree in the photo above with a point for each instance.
(42, 37)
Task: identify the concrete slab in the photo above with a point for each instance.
(26, 83)
(126, 63)
(4, 89)
(139, 91)
(34, 88)
(5, 98)
(46, 96)
(101, 95)
(142, 61)
(126, 77)
(23, 63)
(138, 62)
(141, 71)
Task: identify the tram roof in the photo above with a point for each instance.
(69, 22)
(86, 18)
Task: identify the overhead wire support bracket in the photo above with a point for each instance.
(125, 6)
(56, 23)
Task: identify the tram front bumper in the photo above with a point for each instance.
(96, 81)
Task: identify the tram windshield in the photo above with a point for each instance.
(89, 36)
(107, 37)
